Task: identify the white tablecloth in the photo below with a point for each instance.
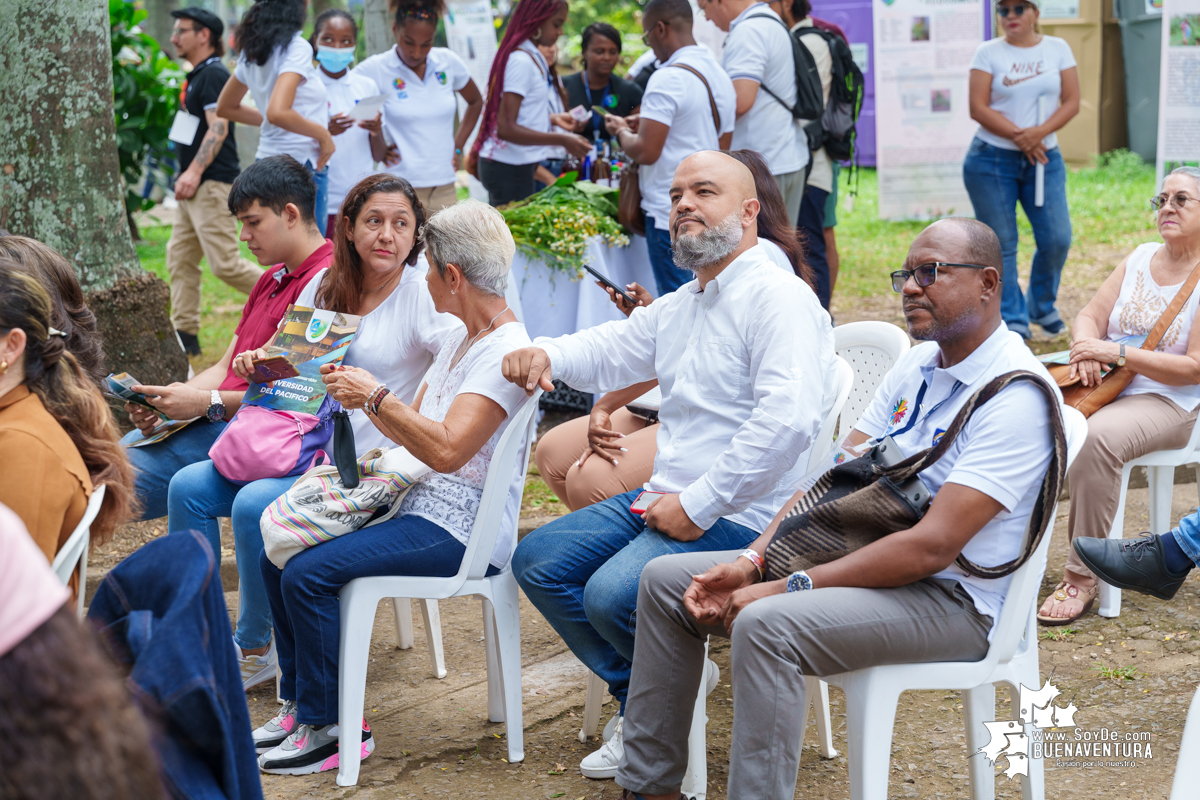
(555, 305)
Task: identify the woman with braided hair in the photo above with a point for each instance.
(55, 427)
(420, 81)
(516, 131)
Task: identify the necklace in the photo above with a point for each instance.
(462, 351)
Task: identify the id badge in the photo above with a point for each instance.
(183, 129)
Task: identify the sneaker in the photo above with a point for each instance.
(273, 734)
(257, 669)
(309, 749)
(190, 343)
(602, 764)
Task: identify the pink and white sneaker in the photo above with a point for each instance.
(310, 749)
(273, 734)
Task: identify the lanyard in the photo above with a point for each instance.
(194, 72)
(917, 406)
(588, 91)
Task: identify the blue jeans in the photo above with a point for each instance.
(997, 179)
(668, 276)
(198, 497)
(157, 463)
(811, 223)
(1188, 536)
(582, 570)
(304, 599)
(322, 180)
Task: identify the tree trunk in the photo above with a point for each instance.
(323, 5)
(377, 26)
(59, 179)
(159, 23)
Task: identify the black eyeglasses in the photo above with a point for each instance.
(1017, 9)
(1178, 201)
(924, 274)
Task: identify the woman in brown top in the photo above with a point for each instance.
(57, 436)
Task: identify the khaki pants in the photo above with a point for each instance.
(435, 198)
(204, 228)
(559, 451)
(791, 186)
(1123, 430)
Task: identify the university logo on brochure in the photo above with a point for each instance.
(1054, 734)
(318, 326)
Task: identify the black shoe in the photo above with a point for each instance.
(1139, 565)
(190, 342)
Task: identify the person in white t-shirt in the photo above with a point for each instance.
(758, 54)
(276, 67)
(421, 82)
(689, 105)
(516, 133)
(335, 35)
(1024, 87)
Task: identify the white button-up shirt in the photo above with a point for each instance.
(1003, 451)
(746, 369)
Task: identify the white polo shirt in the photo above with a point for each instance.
(760, 50)
(352, 160)
(1003, 451)
(678, 99)
(310, 102)
(419, 113)
(528, 75)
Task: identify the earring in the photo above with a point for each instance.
(451, 292)
(538, 35)
(3, 367)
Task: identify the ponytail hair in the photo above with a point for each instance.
(54, 375)
(267, 26)
(421, 10)
(525, 21)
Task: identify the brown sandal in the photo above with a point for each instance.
(1069, 591)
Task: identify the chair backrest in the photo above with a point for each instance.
(1017, 612)
(512, 296)
(843, 380)
(871, 348)
(72, 556)
(496, 485)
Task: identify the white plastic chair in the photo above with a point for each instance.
(1187, 768)
(1011, 660)
(501, 607)
(72, 557)
(1160, 475)
(871, 348)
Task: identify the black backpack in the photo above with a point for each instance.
(839, 118)
(810, 99)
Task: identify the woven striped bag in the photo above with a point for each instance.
(319, 507)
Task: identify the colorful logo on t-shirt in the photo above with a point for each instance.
(399, 84)
(899, 410)
(937, 436)
(441, 76)
(610, 101)
(839, 457)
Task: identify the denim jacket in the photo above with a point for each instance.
(162, 614)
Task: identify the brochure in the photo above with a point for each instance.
(307, 338)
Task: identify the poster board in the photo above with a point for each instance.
(1179, 92)
(471, 34)
(923, 125)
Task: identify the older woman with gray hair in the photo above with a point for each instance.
(1158, 409)
(453, 425)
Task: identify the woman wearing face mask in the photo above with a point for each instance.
(596, 85)
(421, 81)
(359, 144)
(516, 133)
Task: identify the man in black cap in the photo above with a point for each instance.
(208, 162)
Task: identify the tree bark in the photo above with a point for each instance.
(159, 23)
(59, 178)
(377, 26)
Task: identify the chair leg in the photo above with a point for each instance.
(507, 621)
(1110, 596)
(592, 706)
(1187, 767)
(494, 683)
(402, 610)
(824, 727)
(433, 635)
(979, 705)
(357, 619)
(1162, 486)
(695, 780)
(870, 718)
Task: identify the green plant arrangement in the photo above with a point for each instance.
(554, 225)
(146, 88)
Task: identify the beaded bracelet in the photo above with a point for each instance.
(367, 403)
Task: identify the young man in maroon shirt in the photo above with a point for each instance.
(274, 199)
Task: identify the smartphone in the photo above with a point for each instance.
(642, 503)
(611, 285)
(887, 454)
(272, 368)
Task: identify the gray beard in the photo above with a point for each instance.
(695, 252)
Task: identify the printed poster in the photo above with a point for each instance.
(923, 125)
(1179, 87)
(471, 34)
(308, 338)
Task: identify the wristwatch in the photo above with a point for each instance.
(799, 582)
(1121, 357)
(216, 409)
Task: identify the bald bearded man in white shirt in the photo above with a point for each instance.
(744, 357)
